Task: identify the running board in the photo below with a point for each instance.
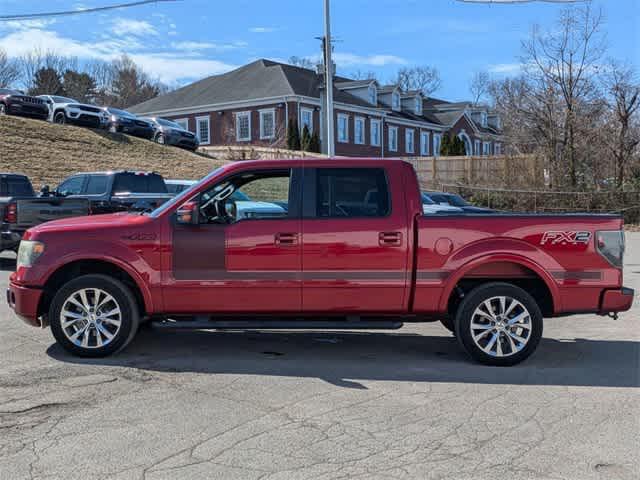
(201, 323)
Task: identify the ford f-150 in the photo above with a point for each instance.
(352, 250)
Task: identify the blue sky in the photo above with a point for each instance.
(188, 39)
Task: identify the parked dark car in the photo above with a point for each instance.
(455, 200)
(21, 209)
(14, 102)
(170, 133)
(125, 122)
(117, 191)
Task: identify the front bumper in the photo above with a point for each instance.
(616, 300)
(24, 301)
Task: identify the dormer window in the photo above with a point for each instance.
(418, 106)
(373, 95)
(483, 119)
(395, 101)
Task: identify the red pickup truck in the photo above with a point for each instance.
(349, 248)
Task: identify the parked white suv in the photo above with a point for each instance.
(67, 110)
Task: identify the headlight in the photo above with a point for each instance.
(28, 252)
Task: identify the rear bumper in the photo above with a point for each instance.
(24, 301)
(616, 300)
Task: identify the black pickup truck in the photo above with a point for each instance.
(116, 191)
(21, 209)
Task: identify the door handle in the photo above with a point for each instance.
(393, 239)
(286, 239)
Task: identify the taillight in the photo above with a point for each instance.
(610, 244)
(11, 213)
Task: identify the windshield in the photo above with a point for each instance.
(58, 99)
(182, 196)
(122, 113)
(450, 198)
(426, 200)
(168, 123)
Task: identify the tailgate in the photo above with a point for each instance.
(35, 211)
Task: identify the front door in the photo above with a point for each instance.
(355, 241)
(244, 255)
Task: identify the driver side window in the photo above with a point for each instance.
(71, 186)
(249, 196)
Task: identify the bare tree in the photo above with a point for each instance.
(301, 62)
(363, 75)
(9, 71)
(39, 59)
(131, 85)
(622, 135)
(424, 79)
(479, 86)
(563, 62)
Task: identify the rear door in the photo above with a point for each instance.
(35, 211)
(355, 244)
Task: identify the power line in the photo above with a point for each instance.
(30, 16)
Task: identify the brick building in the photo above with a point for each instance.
(254, 103)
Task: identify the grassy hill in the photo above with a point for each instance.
(47, 153)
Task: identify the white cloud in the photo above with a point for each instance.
(189, 45)
(127, 26)
(26, 24)
(506, 68)
(262, 29)
(351, 59)
(169, 67)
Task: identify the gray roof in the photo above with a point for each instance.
(354, 83)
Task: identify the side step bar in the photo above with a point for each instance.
(202, 323)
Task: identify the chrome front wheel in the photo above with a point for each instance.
(90, 318)
(94, 315)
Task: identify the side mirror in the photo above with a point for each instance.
(188, 214)
(45, 191)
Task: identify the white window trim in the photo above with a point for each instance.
(246, 113)
(372, 90)
(378, 125)
(355, 137)
(477, 147)
(486, 149)
(208, 120)
(392, 148)
(437, 138)
(272, 111)
(180, 121)
(346, 128)
(425, 138)
(396, 94)
(410, 132)
(418, 105)
(310, 111)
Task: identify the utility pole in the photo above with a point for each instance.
(328, 81)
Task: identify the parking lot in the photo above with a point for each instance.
(294, 405)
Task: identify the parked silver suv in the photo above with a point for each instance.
(67, 110)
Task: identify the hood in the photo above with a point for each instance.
(90, 223)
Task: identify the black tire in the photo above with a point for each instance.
(124, 300)
(501, 329)
(60, 118)
(113, 129)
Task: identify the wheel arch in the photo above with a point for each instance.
(85, 266)
(546, 295)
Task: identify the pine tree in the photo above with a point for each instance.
(293, 135)
(445, 145)
(305, 143)
(314, 145)
(458, 147)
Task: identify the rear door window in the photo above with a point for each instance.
(138, 183)
(352, 192)
(96, 185)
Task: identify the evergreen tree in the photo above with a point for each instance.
(458, 147)
(314, 145)
(445, 145)
(305, 143)
(79, 85)
(293, 135)
(46, 80)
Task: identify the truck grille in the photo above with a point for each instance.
(87, 108)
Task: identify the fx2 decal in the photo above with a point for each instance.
(565, 238)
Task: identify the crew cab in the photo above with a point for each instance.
(116, 191)
(352, 250)
(20, 209)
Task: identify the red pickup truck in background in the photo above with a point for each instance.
(350, 248)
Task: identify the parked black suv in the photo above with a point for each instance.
(125, 122)
(15, 102)
(170, 133)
